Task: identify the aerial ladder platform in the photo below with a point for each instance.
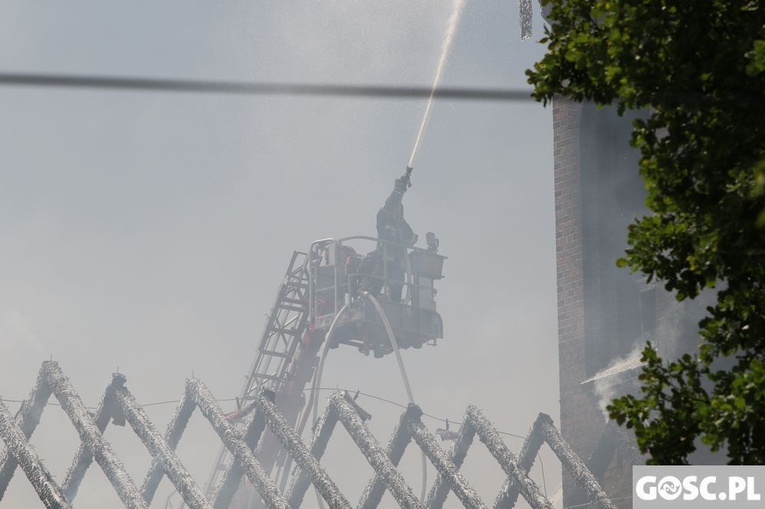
(322, 287)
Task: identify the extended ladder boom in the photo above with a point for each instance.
(271, 368)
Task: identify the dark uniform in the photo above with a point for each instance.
(394, 237)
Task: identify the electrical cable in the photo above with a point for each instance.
(365, 394)
(401, 405)
(254, 88)
(316, 390)
(544, 481)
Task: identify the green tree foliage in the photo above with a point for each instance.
(698, 69)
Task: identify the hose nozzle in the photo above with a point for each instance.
(408, 176)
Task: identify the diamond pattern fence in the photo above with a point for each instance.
(119, 406)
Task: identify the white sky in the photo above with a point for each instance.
(148, 232)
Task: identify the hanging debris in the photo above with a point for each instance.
(527, 18)
(91, 436)
(457, 454)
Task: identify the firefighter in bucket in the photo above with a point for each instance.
(387, 264)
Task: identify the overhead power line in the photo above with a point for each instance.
(250, 88)
(222, 400)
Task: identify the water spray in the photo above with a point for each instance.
(446, 47)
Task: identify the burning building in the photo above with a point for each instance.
(601, 310)
(605, 314)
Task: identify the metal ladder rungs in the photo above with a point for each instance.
(268, 377)
(282, 330)
(296, 302)
(293, 308)
(281, 355)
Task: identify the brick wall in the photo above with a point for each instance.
(581, 419)
(603, 311)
